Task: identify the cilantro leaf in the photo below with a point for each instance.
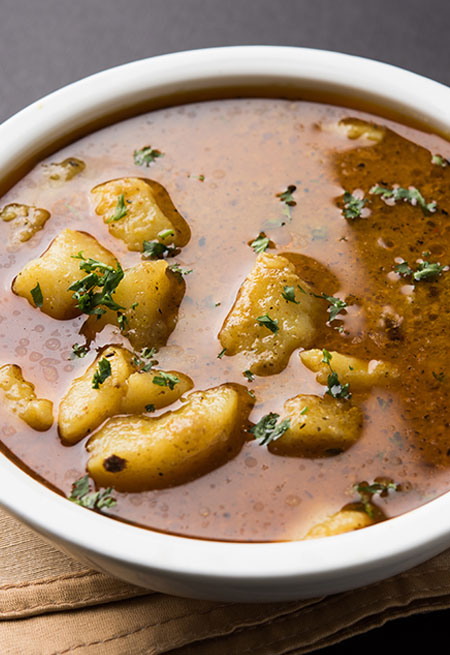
(82, 495)
(36, 294)
(336, 305)
(353, 205)
(79, 351)
(150, 408)
(366, 490)
(249, 375)
(288, 294)
(270, 323)
(158, 250)
(267, 430)
(146, 156)
(424, 271)
(120, 210)
(261, 243)
(166, 380)
(222, 353)
(107, 278)
(178, 270)
(334, 388)
(411, 195)
(103, 372)
(287, 199)
(145, 361)
(438, 160)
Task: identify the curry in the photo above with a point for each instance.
(229, 320)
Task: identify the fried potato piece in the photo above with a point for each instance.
(26, 221)
(361, 375)
(65, 170)
(146, 211)
(346, 520)
(319, 427)
(261, 294)
(20, 398)
(357, 128)
(84, 408)
(141, 391)
(55, 270)
(139, 453)
(152, 294)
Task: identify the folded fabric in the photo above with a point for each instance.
(66, 608)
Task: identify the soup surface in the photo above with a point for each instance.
(275, 172)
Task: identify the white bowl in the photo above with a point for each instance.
(194, 567)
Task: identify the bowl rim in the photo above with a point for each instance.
(322, 565)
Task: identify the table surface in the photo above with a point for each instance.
(46, 44)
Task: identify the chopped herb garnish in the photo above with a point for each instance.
(164, 234)
(166, 380)
(79, 351)
(157, 250)
(120, 210)
(261, 243)
(99, 275)
(82, 495)
(178, 270)
(270, 323)
(438, 160)
(336, 305)
(288, 294)
(144, 361)
(366, 491)
(249, 375)
(150, 408)
(411, 195)
(122, 321)
(267, 430)
(424, 271)
(146, 156)
(334, 388)
(304, 410)
(353, 205)
(103, 372)
(222, 353)
(134, 305)
(287, 199)
(36, 294)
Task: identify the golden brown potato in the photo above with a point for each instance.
(55, 270)
(356, 128)
(145, 209)
(346, 520)
(361, 375)
(142, 392)
(26, 221)
(84, 408)
(268, 350)
(319, 427)
(138, 453)
(152, 295)
(19, 398)
(65, 170)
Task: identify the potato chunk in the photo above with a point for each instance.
(20, 398)
(55, 270)
(346, 520)
(319, 427)
(26, 221)
(361, 375)
(142, 392)
(65, 170)
(152, 295)
(356, 128)
(260, 295)
(139, 453)
(84, 408)
(146, 211)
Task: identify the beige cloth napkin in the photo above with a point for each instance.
(52, 605)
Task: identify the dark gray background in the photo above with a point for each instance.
(45, 44)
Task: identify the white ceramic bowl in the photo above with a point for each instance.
(193, 567)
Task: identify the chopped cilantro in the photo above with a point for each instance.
(270, 323)
(122, 321)
(164, 234)
(353, 206)
(150, 408)
(120, 210)
(79, 351)
(287, 199)
(267, 430)
(381, 486)
(103, 372)
(411, 195)
(166, 380)
(144, 361)
(178, 270)
(36, 294)
(304, 410)
(261, 243)
(99, 275)
(438, 160)
(249, 375)
(146, 156)
(334, 388)
(336, 305)
(424, 271)
(222, 353)
(288, 294)
(157, 250)
(82, 495)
